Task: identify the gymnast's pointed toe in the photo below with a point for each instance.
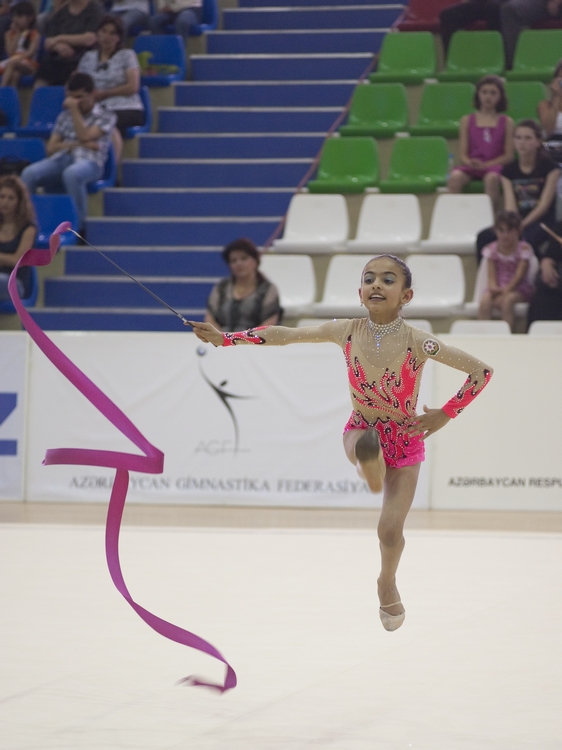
(391, 622)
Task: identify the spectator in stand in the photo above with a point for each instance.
(68, 34)
(51, 7)
(486, 141)
(132, 13)
(17, 233)
(245, 299)
(116, 74)
(78, 146)
(546, 303)
(183, 14)
(21, 43)
(5, 22)
(467, 12)
(517, 15)
(529, 187)
(507, 262)
(550, 110)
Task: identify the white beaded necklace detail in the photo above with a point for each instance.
(380, 330)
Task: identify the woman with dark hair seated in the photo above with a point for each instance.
(116, 74)
(529, 187)
(245, 299)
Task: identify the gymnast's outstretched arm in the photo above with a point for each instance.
(329, 332)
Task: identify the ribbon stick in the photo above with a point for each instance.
(152, 462)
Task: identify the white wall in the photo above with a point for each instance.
(291, 406)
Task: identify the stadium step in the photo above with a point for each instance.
(118, 291)
(112, 319)
(145, 261)
(263, 94)
(296, 41)
(228, 145)
(279, 67)
(304, 3)
(196, 201)
(246, 119)
(326, 17)
(213, 172)
(160, 231)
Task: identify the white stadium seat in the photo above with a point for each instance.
(423, 325)
(455, 222)
(388, 223)
(294, 277)
(439, 286)
(545, 328)
(316, 223)
(341, 296)
(480, 327)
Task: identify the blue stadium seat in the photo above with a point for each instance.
(46, 104)
(209, 19)
(10, 103)
(30, 298)
(32, 149)
(52, 210)
(147, 104)
(166, 49)
(109, 176)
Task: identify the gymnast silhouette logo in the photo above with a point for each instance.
(225, 397)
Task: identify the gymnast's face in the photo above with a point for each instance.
(383, 291)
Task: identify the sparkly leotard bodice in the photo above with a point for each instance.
(384, 375)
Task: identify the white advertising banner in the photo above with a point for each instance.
(238, 426)
(504, 452)
(13, 370)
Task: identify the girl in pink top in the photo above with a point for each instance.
(384, 436)
(486, 141)
(508, 269)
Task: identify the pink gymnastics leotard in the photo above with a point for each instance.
(384, 379)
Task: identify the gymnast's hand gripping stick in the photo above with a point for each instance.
(146, 289)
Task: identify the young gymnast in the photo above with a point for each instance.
(383, 437)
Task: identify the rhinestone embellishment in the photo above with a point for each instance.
(380, 330)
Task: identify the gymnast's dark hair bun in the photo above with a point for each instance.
(243, 244)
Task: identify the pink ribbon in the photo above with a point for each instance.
(152, 462)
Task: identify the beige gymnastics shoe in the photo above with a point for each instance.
(391, 622)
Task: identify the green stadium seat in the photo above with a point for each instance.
(523, 98)
(406, 58)
(536, 55)
(417, 165)
(347, 165)
(473, 54)
(441, 108)
(379, 110)
(474, 187)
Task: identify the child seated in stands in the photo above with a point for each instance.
(21, 43)
(508, 260)
(485, 141)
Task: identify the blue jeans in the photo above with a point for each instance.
(4, 294)
(62, 174)
(182, 21)
(131, 18)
